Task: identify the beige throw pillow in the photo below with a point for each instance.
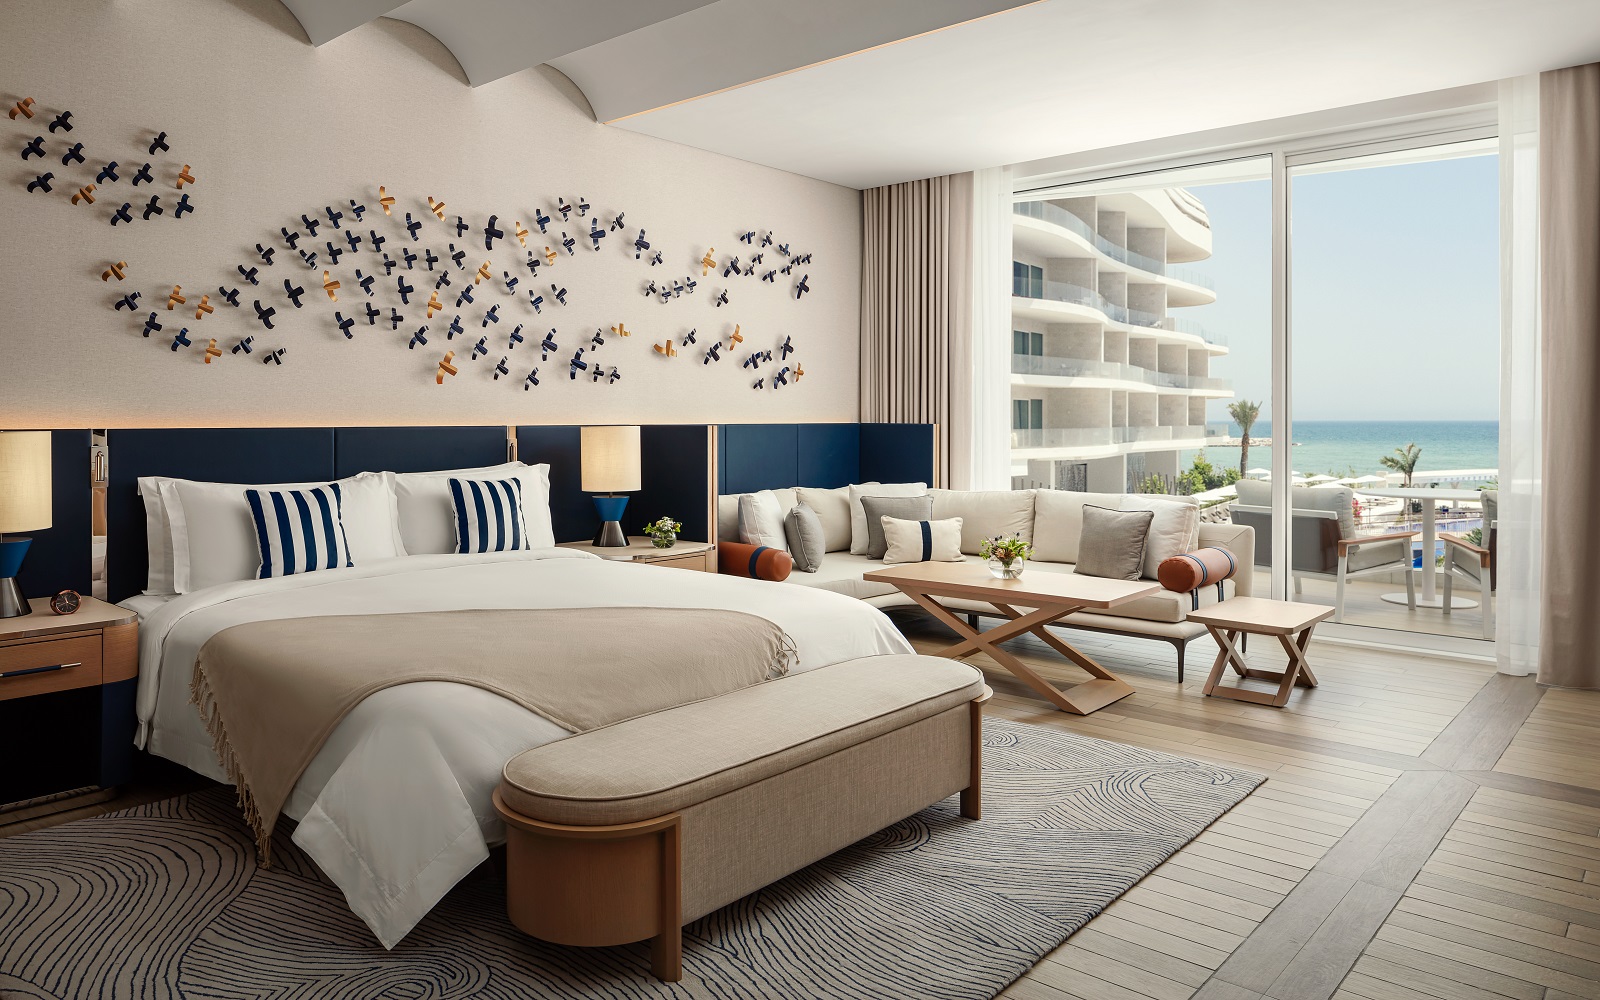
(1112, 543)
(921, 541)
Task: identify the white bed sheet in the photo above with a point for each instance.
(396, 806)
(144, 605)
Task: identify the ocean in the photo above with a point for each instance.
(1353, 447)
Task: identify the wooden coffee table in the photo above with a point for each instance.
(1290, 622)
(1052, 595)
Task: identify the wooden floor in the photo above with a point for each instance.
(1392, 854)
(1429, 830)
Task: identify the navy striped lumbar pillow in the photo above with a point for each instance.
(299, 531)
(489, 515)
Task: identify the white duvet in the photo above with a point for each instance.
(396, 806)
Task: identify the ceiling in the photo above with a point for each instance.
(868, 93)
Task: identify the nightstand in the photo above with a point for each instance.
(700, 556)
(67, 686)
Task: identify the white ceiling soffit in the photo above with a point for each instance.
(495, 38)
(1072, 75)
(736, 42)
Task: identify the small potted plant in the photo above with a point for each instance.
(664, 532)
(1006, 556)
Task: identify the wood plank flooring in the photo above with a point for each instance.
(1361, 869)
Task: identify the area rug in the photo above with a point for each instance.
(165, 900)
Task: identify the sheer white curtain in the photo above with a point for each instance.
(989, 398)
(1518, 549)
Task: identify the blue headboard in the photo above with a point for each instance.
(754, 457)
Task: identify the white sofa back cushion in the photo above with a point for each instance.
(858, 514)
(1173, 530)
(832, 508)
(1058, 522)
(986, 514)
(728, 512)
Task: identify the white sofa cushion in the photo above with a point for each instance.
(858, 514)
(986, 514)
(1058, 522)
(1173, 530)
(842, 573)
(728, 512)
(921, 541)
(761, 520)
(832, 508)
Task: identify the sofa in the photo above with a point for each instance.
(1051, 520)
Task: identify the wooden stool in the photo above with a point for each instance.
(1291, 623)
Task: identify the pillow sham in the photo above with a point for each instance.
(922, 541)
(214, 538)
(906, 508)
(488, 515)
(1112, 543)
(1173, 528)
(157, 537)
(426, 520)
(806, 537)
(761, 520)
(859, 523)
(298, 531)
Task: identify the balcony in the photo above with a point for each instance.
(1101, 437)
(1045, 365)
(1061, 291)
(1055, 215)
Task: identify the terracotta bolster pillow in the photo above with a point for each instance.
(1196, 569)
(758, 561)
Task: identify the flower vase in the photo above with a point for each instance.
(666, 541)
(1006, 569)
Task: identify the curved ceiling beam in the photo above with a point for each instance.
(732, 43)
(324, 21)
(495, 38)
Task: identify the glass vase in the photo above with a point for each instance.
(666, 541)
(1006, 569)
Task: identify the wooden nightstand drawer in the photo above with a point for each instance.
(59, 663)
(701, 561)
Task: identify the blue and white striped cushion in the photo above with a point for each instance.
(488, 515)
(299, 531)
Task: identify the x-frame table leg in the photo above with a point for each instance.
(1298, 671)
(1080, 699)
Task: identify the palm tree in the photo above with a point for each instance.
(1403, 461)
(1244, 413)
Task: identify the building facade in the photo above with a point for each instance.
(1108, 383)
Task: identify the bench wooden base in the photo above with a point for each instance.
(596, 886)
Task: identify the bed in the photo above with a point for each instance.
(396, 806)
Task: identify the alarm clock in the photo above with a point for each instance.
(66, 602)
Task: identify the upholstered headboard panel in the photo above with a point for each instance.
(774, 456)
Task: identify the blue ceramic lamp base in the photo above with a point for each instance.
(610, 510)
(12, 603)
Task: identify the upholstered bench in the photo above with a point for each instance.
(629, 832)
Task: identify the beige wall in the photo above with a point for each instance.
(272, 128)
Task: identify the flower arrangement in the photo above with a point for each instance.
(1006, 555)
(663, 532)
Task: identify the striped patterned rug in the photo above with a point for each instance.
(165, 900)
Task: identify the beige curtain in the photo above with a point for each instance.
(916, 310)
(1569, 250)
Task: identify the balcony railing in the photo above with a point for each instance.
(1058, 216)
(1033, 364)
(1091, 437)
(1061, 291)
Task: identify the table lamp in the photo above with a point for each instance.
(25, 505)
(610, 466)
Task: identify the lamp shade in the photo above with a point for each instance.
(610, 459)
(25, 501)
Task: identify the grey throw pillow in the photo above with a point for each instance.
(807, 541)
(905, 508)
(1112, 543)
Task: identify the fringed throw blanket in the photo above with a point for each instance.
(271, 692)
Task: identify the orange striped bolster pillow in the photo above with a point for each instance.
(1196, 569)
(758, 561)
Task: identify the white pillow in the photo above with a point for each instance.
(905, 541)
(214, 538)
(1170, 529)
(832, 508)
(728, 511)
(158, 537)
(761, 520)
(858, 514)
(426, 518)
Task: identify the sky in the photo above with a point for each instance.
(1394, 296)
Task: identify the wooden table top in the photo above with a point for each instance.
(91, 613)
(1261, 616)
(1035, 588)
